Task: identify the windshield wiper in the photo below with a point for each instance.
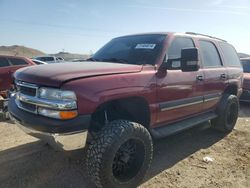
(116, 60)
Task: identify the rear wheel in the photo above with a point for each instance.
(227, 114)
(120, 155)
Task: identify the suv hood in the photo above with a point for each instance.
(58, 73)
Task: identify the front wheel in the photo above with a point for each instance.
(120, 155)
(227, 114)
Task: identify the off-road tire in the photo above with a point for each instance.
(103, 151)
(227, 114)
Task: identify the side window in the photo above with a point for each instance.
(230, 56)
(16, 61)
(174, 50)
(209, 54)
(4, 62)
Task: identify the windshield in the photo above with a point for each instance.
(246, 66)
(138, 49)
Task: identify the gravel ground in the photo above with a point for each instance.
(178, 160)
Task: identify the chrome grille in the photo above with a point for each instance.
(27, 89)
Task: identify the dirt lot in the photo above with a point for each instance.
(178, 160)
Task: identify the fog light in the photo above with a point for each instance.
(57, 114)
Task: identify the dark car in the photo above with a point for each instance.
(246, 83)
(136, 88)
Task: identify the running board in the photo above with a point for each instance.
(182, 125)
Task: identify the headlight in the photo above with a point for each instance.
(56, 94)
(57, 114)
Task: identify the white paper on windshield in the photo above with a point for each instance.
(145, 46)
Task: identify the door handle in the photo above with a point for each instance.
(199, 77)
(223, 76)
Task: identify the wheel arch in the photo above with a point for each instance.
(134, 109)
(231, 89)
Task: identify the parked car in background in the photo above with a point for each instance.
(246, 83)
(49, 59)
(8, 65)
(38, 62)
(135, 88)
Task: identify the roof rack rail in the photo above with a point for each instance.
(193, 33)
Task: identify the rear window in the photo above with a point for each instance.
(246, 65)
(230, 55)
(16, 61)
(4, 62)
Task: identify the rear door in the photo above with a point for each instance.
(5, 75)
(180, 94)
(215, 74)
(233, 65)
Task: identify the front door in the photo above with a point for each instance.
(179, 94)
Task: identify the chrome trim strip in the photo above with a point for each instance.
(189, 101)
(211, 99)
(26, 85)
(181, 105)
(55, 104)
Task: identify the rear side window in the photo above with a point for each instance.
(4, 62)
(16, 61)
(179, 43)
(209, 54)
(230, 56)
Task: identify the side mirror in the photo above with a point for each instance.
(189, 59)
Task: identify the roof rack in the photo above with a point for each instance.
(193, 33)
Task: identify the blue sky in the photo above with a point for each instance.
(83, 26)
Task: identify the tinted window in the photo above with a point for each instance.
(209, 54)
(246, 65)
(45, 58)
(16, 61)
(179, 43)
(139, 49)
(3, 62)
(230, 56)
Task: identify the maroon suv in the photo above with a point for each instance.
(8, 65)
(246, 84)
(135, 88)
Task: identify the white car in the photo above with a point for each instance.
(49, 59)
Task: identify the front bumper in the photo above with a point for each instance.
(245, 96)
(61, 134)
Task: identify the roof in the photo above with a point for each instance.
(190, 34)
